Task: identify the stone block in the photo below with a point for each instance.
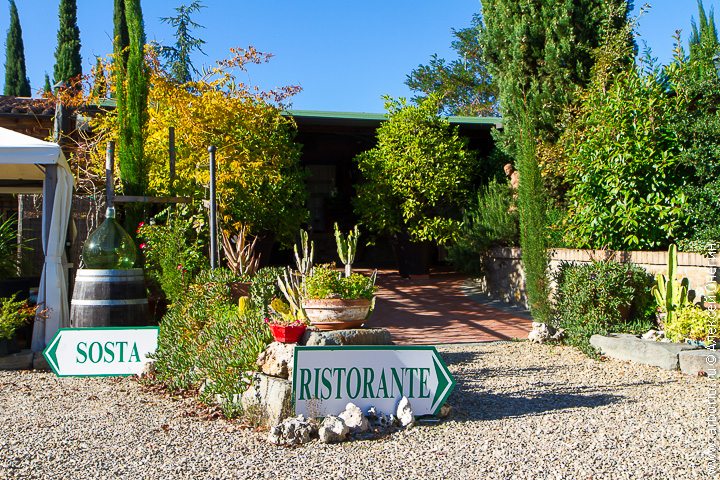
(355, 336)
(692, 362)
(17, 361)
(270, 397)
(623, 346)
(277, 360)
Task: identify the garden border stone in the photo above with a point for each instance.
(22, 360)
(625, 346)
(695, 362)
(354, 336)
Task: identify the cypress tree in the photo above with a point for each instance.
(539, 52)
(67, 54)
(16, 81)
(47, 88)
(132, 95)
(99, 82)
(121, 41)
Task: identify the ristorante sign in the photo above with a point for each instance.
(325, 379)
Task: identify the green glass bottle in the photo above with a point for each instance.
(109, 246)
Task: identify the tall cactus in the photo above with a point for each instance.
(347, 247)
(305, 262)
(670, 294)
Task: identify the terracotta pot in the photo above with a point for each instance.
(336, 313)
(239, 289)
(287, 333)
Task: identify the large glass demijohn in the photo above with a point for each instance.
(109, 246)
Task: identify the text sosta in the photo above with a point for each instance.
(107, 352)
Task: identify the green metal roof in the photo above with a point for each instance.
(379, 117)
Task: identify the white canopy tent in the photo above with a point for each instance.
(29, 165)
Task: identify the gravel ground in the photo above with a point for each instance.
(522, 411)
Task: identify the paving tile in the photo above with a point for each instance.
(435, 310)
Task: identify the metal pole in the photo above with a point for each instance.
(213, 211)
(109, 183)
(171, 152)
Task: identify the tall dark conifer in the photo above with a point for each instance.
(68, 63)
(16, 81)
(47, 87)
(539, 52)
(132, 92)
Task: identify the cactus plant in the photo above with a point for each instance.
(243, 305)
(670, 295)
(347, 247)
(304, 263)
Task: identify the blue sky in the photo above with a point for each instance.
(345, 55)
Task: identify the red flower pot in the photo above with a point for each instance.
(287, 333)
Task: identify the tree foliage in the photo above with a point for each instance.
(178, 63)
(16, 81)
(463, 84)
(259, 180)
(539, 53)
(131, 94)
(416, 176)
(100, 85)
(68, 63)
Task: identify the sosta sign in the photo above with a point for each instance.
(102, 351)
(325, 379)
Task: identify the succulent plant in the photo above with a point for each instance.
(347, 247)
(670, 294)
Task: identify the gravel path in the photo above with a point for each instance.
(522, 411)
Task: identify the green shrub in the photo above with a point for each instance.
(174, 250)
(326, 282)
(491, 221)
(600, 298)
(693, 323)
(265, 287)
(14, 314)
(203, 338)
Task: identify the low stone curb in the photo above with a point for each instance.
(624, 346)
(700, 362)
(24, 360)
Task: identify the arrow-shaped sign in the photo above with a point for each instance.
(102, 351)
(325, 379)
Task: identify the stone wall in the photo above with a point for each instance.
(504, 279)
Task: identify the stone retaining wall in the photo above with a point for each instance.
(504, 279)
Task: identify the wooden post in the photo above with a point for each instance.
(21, 214)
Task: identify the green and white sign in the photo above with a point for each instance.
(325, 379)
(100, 352)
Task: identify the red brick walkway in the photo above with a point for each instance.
(435, 310)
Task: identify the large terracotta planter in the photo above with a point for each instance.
(336, 313)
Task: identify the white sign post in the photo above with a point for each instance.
(325, 379)
(101, 351)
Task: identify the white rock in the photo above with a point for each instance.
(333, 430)
(277, 360)
(293, 431)
(540, 333)
(354, 418)
(404, 413)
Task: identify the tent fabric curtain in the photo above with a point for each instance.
(53, 289)
(24, 163)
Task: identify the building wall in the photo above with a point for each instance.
(503, 277)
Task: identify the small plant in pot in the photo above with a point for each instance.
(285, 325)
(334, 302)
(14, 314)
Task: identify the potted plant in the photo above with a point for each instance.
(334, 302)
(14, 313)
(285, 326)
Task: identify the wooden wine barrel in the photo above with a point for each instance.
(109, 298)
